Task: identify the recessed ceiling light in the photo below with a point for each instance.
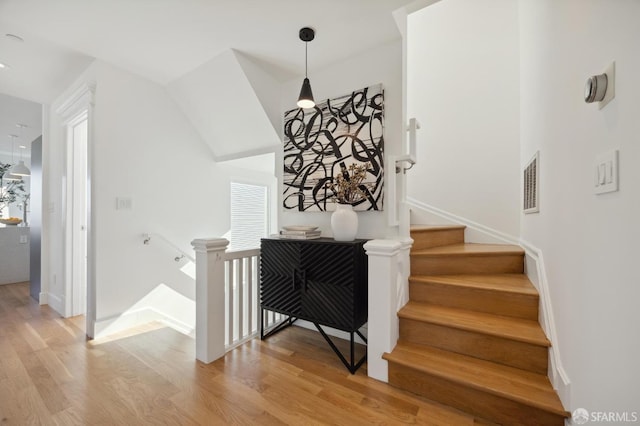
(4, 66)
(22, 147)
(14, 37)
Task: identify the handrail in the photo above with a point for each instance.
(183, 255)
(238, 254)
(410, 156)
(396, 183)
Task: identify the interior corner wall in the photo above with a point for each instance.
(589, 241)
(382, 64)
(144, 149)
(265, 87)
(463, 88)
(220, 97)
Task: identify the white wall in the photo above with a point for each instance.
(220, 97)
(462, 86)
(590, 242)
(380, 65)
(143, 148)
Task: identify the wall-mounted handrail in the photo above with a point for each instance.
(396, 184)
(410, 156)
(148, 237)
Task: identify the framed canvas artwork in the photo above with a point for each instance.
(322, 142)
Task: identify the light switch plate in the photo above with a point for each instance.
(606, 172)
(124, 203)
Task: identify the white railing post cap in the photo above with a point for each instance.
(210, 244)
(382, 247)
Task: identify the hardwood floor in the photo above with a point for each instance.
(50, 375)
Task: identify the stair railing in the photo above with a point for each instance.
(398, 210)
(242, 281)
(148, 237)
(389, 263)
(227, 298)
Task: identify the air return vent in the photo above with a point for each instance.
(532, 185)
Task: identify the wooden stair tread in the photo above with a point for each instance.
(470, 249)
(521, 386)
(509, 283)
(521, 330)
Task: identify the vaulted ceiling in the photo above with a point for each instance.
(164, 39)
(199, 49)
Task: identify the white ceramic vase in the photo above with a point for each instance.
(344, 223)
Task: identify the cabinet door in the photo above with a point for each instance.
(279, 280)
(327, 284)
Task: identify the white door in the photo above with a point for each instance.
(78, 207)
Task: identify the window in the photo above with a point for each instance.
(249, 216)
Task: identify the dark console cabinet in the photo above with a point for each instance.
(322, 281)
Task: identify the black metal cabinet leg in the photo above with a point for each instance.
(352, 366)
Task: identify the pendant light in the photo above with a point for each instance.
(8, 176)
(20, 169)
(305, 100)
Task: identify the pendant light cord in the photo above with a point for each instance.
(306, 65)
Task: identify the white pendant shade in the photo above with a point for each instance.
(8, 176)
(20, 169)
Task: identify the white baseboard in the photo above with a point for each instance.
(43, 299)
(116, 323)
(54, 301)
(538, 277)
(475, 232)
(535, 270)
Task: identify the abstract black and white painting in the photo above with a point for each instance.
(336, 133)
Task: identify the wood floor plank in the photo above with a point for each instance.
(46, 386)
(51, 375)
(32, 407)
(68, 417)
(145, 401)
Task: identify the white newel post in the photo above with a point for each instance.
(384, 278)
(210, 310)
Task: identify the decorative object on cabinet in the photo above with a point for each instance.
(320, 142)
(321, 281)
(349, 188)
(344, 223)
(300, 235)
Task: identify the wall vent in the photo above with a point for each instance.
(531, 192)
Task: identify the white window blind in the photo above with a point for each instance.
(249, 217)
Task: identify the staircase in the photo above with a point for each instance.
(469, 336)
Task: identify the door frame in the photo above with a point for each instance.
(78, 105)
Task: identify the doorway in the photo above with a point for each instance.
(77, 209)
